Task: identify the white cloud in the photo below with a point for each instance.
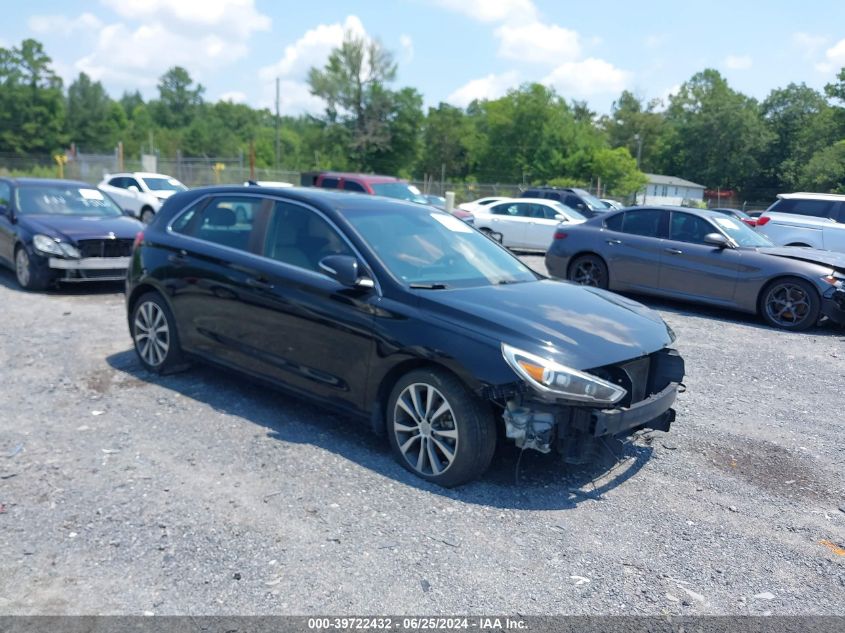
(738, 62)
(538, 42)
(44, 24)
(494, 10)
(407, 45)
(490, 87)
(586, 78)
(233, 96)
(238, 18)
(312, 49)
(809, 45)
(835, 56)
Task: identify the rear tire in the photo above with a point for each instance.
(589, 270)
(790, 304)
(147, 215)
(438, 429)
(154, 334)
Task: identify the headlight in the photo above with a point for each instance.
(834, 278)
(49, 246)
(547, 376)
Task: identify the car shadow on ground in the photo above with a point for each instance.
(520, 480)
(7, 280)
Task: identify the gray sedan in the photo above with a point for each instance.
(705, 257)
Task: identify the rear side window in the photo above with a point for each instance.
(813, 208)
(118, 182)
(329, 183)
(646, 222)
(351, 185)
(5, 193)
(302, 238)
(516, 209)
(230, 221)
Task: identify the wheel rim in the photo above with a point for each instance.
(147, 217)
(587, 273)
(22, 267)
(425, 429)
(788, 304)
(152, 334)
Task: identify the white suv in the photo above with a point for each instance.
(806, 219)
(140, 193)
(528, 223)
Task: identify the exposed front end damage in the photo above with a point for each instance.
(542, 422)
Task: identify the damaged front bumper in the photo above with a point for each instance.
(90, 268)
(573, 429)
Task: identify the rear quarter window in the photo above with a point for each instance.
(797, 206)
(614, 223)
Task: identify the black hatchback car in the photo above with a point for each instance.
(62, 230)
(399, 314)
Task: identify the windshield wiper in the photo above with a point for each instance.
(429, 286)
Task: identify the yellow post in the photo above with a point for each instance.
(60, 159)
(218, 167)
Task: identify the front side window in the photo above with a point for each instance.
(329, 183)
(230, 221)
(689, 228)
(5, 193)
(351, 185)
(300, 237)
(646, 222)
(64, 199)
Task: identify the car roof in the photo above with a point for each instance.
(370, 178)
(139, 174)
(49, 181)
(811, 196)
(704, 213)
(536, 200)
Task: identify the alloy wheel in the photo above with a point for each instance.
(425, 428)
(152, 333)
(587, 273)
(787, 304)
(22, 268)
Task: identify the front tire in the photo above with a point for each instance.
(154, 334)
(438, 429)
(589, 270)
(25, 273)
(790, 304)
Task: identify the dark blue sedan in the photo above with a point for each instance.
(61, 230)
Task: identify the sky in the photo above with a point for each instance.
(450, 50)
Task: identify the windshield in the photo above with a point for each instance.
(563, 209)
(593, 202)
(434, 249)
(401, 190)
(740, 233)
(61, 199)
(163, 184)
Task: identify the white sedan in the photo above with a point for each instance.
(528, 223)
(481, 203)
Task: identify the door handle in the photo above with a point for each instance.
(674, 251)
(614, 242)
(178, 258)
(256, 282)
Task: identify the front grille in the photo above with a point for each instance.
(105, 248)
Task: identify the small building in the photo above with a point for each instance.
(669, 190)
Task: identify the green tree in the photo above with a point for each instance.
(617, 171)
(447, 142)
(94, 122)
(716, 136)
(825, 171)
(179, 99)
(637, 126)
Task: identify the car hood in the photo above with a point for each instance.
(580, 327)
(74, 228)
(812, 255)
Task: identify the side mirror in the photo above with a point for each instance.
(561, 218)
(133, 188)
(345, 270)
(716, 239)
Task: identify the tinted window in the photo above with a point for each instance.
(350, 185)
(614, 223)
(131, 182)
(642, 223)
(814, 208)
(513, 209)
(329, 183)
(572, 201)
(300, 237)
(841, 213)
(228, 221)
(5, 193)
(120, 181)
(689, 228)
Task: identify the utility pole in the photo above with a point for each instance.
(442, 178)
(639, 140)
(278, 143)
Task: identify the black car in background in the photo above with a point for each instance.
(579, 199)
(61, 230)
(399, 314)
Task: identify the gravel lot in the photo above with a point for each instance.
(199, 493)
